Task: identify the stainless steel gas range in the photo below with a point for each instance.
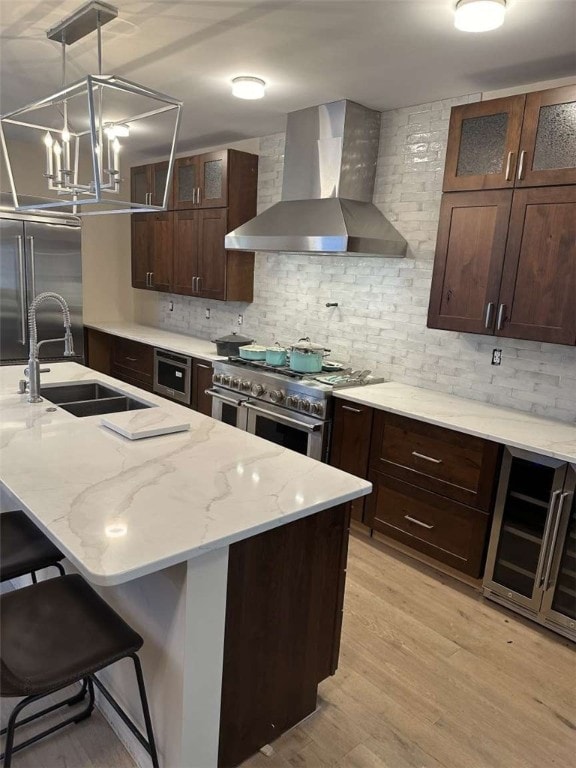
(290, 409)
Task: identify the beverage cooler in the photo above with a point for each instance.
(531, 564)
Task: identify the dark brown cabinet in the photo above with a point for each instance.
(505, 259)
(350, 445)
(201, 381)
(469, 256)
(433, 489)
(523, 141)
(539, 278)
(201, 181)
(182, 251)
(148, 182)
(506, 264)
(132, 362)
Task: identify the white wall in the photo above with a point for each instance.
(381, 319)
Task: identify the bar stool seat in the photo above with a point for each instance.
(56, 633)
(24, 548)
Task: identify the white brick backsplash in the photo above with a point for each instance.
(380, 322)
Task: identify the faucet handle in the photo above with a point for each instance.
(22, 386)
(44, 370)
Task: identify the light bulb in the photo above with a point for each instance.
(57, 149)
(66, 135)
(116, 145)
(248, 88)
(48, 140)
(479, 15)
(117, 129)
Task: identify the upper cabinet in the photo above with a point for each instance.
(148, 182)
(505, 259)
(182, 250)
(202, 181)
(526, 140)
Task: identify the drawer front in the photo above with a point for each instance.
(135, 357)
(459, 466)
(130, 377)
(446, 530)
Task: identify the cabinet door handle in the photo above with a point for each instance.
(488, 316)
(199, 284)
(22, 281)
(132, 359)
(151, 279)
(418, 522)
(193, 195)
(148, 198)
(548, 573)
(521, 165)
(501, 317)
(199, 195)
(194, 289)
(426, 458)
(549, 519)
(509, 166)
(201, 365)
(352, 410)
(147, 279)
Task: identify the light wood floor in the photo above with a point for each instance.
(431, 676)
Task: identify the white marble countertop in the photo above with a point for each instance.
(120, 509)
(502, 425)
(157, 337)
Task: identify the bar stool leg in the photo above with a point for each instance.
(145, 710)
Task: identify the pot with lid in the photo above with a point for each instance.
(307, 357)
(229, 346)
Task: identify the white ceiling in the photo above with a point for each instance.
(381, 53)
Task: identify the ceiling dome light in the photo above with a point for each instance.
(479, 15)
(248, 87)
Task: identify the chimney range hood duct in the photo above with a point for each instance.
(329, 169)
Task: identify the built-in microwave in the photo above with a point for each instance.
(173, 376)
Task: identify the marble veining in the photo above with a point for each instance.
(120, 509)
(502, 425)
(157, 337)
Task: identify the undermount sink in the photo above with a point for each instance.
(73, 393)
(91, 399)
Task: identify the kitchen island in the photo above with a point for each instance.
(225, 552)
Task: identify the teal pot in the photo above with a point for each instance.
(253, 352)
(306, 357)
(276, 355)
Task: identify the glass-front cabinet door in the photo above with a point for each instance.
(528, 496)
(213, 177)
(483, 144)
(559, 603)
(186, 183)
(548, 143)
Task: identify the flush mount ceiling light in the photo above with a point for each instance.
(479, 15)
(74, 135)
(248, 87)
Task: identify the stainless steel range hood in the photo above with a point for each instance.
(329, 169)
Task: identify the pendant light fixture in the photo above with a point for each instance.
(85, 128)
(479, 15)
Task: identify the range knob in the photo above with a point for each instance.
(305, 405)
(226, 380)
(317, 409)
(245, 385)
(257, 390)
(277, 396)
(236, 382)
(217, 378)
(292, 401)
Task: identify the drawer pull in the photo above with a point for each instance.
(132, 359)
(354, 410)
(426, 458)
(207, 367)
(418, 522)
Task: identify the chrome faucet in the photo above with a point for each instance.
(33, 371)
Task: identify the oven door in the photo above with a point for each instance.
(173, 376)
(227, 407)
(300, 433)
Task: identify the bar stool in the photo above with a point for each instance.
(56, 633)
(24, 548)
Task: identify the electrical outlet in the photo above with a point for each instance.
(207, 313)
(240, 319)
(170, 306)
(496, 356)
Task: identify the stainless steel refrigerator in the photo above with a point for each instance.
(37, 255)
